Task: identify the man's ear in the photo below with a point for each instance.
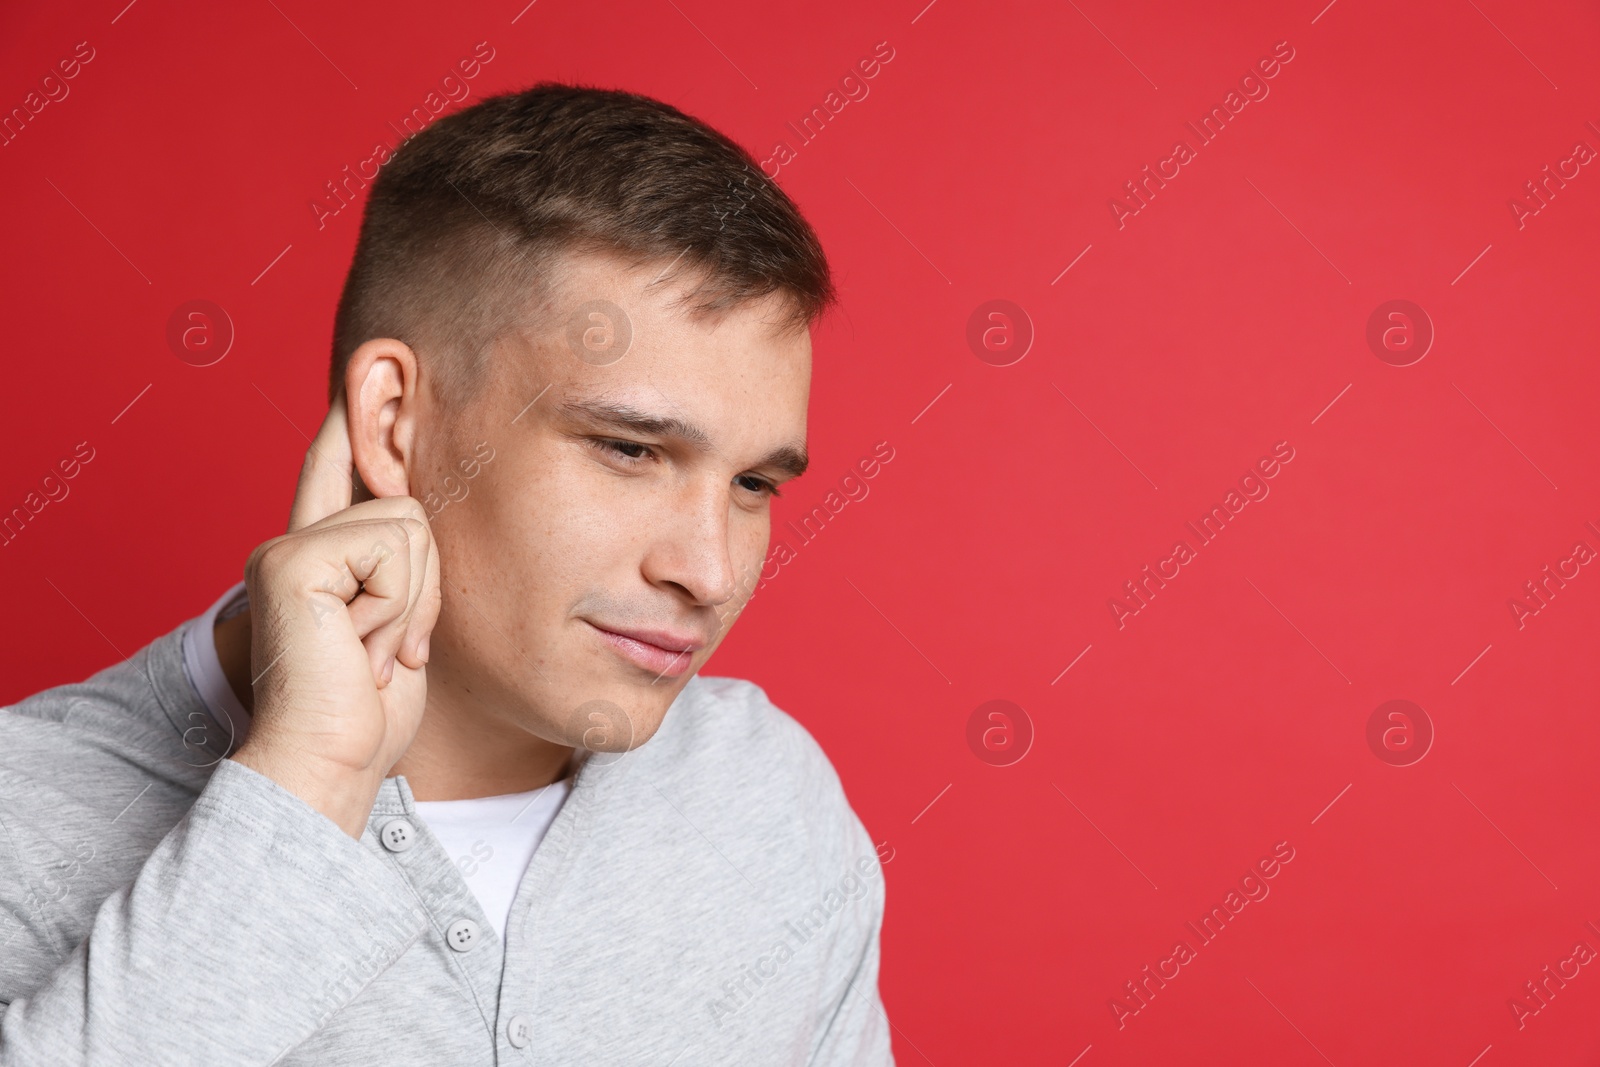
(381, 386)
(358, 488)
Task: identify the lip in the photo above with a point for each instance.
(663, 654)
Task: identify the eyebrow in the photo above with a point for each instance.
(790, 460)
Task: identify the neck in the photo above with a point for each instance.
(460, 751)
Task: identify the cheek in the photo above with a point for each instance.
(507, 555)
(749, 546)
(549, 539)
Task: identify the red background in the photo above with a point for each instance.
(1224, 317)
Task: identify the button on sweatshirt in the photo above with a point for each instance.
(708, 898)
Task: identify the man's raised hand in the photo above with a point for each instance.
(341, 607)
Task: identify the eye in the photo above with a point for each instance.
(629, 451)
(761, 485)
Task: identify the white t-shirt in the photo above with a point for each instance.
(493, 839)
(490, 839)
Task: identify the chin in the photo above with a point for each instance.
(623, 719)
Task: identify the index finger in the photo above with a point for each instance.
(325, 486)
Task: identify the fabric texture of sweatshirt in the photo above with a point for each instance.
(707, 898)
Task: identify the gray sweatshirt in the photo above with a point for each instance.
(708, 898)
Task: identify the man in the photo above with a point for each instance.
(440, 781)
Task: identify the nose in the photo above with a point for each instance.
(691, 550)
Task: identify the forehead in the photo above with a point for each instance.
(608, 330)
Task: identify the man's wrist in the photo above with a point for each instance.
(344, 796)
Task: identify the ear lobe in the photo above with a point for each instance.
(358, 488)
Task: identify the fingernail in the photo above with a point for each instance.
(422, 649)
(388, 670)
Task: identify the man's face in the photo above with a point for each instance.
(586, 524)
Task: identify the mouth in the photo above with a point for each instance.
(663, 655)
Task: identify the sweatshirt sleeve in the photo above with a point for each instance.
(857, 1033)
(252, 922)
(855, 1028)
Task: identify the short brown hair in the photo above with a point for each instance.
(464, 222)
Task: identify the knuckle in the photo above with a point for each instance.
(258, 559)
(378, 553)
(430, 599)
(415, 531)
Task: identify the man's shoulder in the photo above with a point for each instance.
(776, 891)
(92, 775)
(732, 723)
(130, 717)
(733, 748)
(99, 766)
